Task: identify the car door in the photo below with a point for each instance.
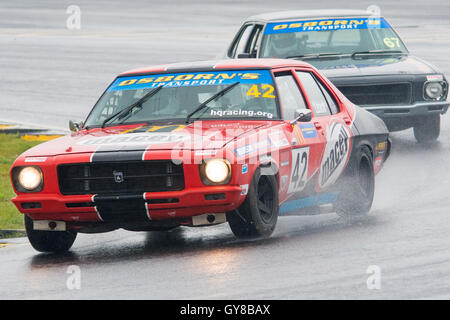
(307, 142)
(246, 43)
(332, 122)
(254, 41)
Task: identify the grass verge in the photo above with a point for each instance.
(11, 146)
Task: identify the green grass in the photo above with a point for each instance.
(11, 146)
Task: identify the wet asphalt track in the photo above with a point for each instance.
(49, 75)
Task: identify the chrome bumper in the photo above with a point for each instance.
(416, 109)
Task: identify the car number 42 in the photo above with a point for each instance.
(299, 169)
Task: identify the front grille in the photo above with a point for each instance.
(120, 177)
(378, 94)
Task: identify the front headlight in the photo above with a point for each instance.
(434, 90)
(215, 171)
(28, 179)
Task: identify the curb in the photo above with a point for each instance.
(5, 234)
(30, 132)
(15, 129)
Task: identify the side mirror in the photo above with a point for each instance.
(75, 126)
(302, 115)
(246, 55)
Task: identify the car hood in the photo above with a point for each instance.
(201, 135)
(373, 66)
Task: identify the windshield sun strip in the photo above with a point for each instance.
(264, 76)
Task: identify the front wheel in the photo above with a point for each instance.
(427, 129)
(357, 187)
(258, 214)
(49, 241)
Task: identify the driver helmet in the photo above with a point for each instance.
(283, 44)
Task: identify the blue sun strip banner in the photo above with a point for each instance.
(189, 79)
(326, 25)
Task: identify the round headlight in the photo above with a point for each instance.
(30, 178)
(434, 90)
(217, 170)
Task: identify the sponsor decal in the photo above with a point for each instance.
(377, 164)
(279, 141)
(244, 168)
(308, 130)
(312, 201)
(240, 112)
(135, 139)
(174, 80)
(232, 125)
(298, 136)
(251, 148)
(206, 153)
(244, 189)
(36, 159)
(284, 180)
(284, 163)
(435, 77)
(337, 151)
(285, 157)
(299, 169)
(326, 25)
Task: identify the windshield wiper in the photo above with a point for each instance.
(317, 55)
(204, 104)
(376, 52)
(122, 113)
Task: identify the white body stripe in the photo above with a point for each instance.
(95, 208)
(146, 207)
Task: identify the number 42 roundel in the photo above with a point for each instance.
(299, 169)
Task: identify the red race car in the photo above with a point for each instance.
(193, 144)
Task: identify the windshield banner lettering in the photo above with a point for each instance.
(326, 25)
(191, 79)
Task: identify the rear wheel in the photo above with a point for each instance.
(258, 215)
(49, 241)
(427, 129)
(357, 187)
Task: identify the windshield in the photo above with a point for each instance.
(249, 94)
(329, 36)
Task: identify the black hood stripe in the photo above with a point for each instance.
(123, 208)
(118, 156)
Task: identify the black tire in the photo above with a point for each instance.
(258, 214)
(357, 187)
(49, 241)
(427, 129)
